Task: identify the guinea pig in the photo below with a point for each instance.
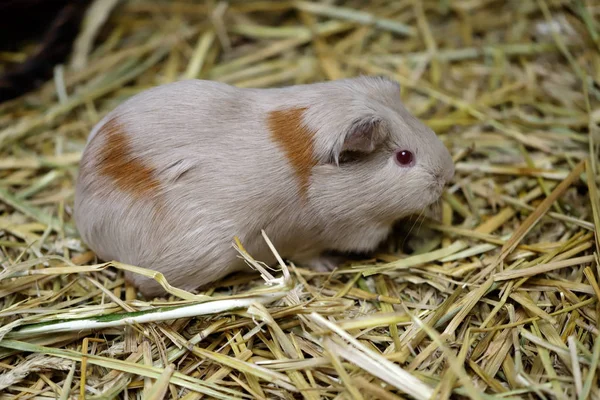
(174, 173)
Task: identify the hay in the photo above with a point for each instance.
(499, 299)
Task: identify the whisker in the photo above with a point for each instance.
(422, 220)
(410, 231)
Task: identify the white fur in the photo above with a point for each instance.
(224, 176)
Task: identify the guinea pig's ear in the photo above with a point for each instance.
(362, 137)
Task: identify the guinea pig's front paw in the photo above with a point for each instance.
(323, 263)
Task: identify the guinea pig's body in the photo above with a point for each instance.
(172, 175)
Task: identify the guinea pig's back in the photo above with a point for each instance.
(208, 143)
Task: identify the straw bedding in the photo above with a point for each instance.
(498, 298)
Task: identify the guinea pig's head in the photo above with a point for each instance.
(376, 161)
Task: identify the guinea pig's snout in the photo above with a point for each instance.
(440, 179)
(446, 170)
(448, 173)
(444, 175)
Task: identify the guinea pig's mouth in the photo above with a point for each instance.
(434, 210)
(430, 210)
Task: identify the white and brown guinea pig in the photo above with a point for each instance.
(172, 175)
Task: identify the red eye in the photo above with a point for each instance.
(404, 157)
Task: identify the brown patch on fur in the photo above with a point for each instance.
(296, 140)
(117, 161)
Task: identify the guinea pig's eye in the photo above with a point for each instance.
(404, 158)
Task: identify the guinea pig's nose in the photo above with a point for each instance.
(448, 172)
(444, 175)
